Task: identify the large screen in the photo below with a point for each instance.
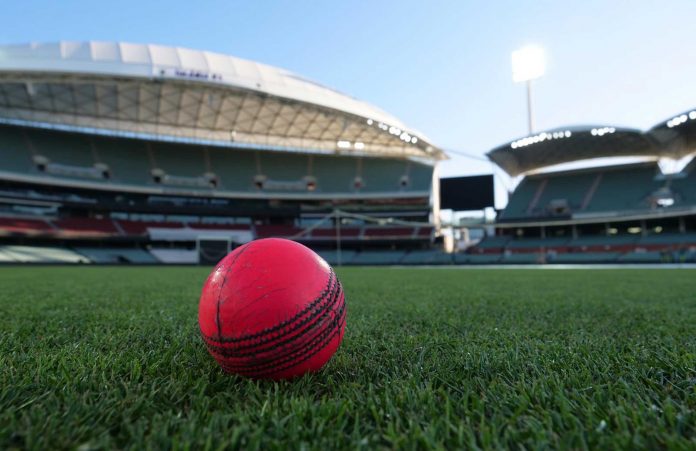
(467, 193)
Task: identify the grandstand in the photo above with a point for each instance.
(120, 153)
(128, 153)
(622, 213)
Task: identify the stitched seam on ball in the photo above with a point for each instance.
(284, 358)
(270, 371)
(222, 285)
(325, 303)
(326, 292)
(297, 356)
(302, 326)
(316, 345)
(287, 366)
(314, 310)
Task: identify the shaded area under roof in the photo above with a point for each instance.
(565, 145)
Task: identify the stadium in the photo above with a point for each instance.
(137, 185)
(617, 213)
(124, 153)
(117, 152)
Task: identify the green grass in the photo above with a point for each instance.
(110, 357)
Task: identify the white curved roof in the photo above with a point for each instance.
(148, 61)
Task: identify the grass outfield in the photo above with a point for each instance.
(110, 357)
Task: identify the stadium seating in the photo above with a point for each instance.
(62, 148)
(667, 239)
(131, 162)
(478, 259)
(624, 188)
(86, 226)
(427, 257)
(127, 160)
(376, 232)
(493, 242)
(331, 256)
(524, 258)
(38, 254)
(643, 257)
(591, 191)
(235, 168)
(211, 226)
(178, 159)
(604, 241)
(335, 174)
(283, 166)
(685, 187)
(5, 258)
(424, 232)
(571, 189)
(584, 257)
(322, 233)
(623, 248)
(584, 242)
(175, 256)
(382, 175)
(536, 243)
(280, 231)
(689, 257)
(24, 226)
(14, 154)
(378, 257)
(420, 177)
(92, 227)
(521, 198)
(438, 257)
(117, 255)
(140, 227)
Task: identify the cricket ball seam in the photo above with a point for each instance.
(333, 325)
(271, 330)
(296, 332)
(291, 362)
(326, 302)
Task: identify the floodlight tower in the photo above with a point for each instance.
(528, 63)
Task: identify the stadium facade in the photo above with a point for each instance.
(117, 152)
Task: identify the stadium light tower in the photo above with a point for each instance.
(528, 63)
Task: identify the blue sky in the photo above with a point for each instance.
(443, 67)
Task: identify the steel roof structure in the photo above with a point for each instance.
(564, 145)
(678, 134)
(172, 93)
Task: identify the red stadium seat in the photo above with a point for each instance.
(268, 231)
(388, 232)
(330, 233)
(86, 226)
(25, 226)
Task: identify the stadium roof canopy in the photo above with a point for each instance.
(677, 134)
(193, 96)
(565, 145)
